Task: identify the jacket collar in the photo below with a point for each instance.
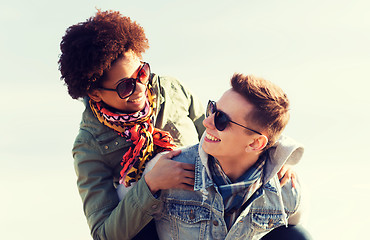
(202, 173)
(285, 150)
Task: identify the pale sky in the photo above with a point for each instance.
(317, 51)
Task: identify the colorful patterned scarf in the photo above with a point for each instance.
(235, 194)
(136, 128)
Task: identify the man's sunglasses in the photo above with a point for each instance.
(127, 86)
(221, 120)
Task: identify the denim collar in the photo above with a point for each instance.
(285, 150)
(202, 180)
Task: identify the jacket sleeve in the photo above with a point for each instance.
(197, 114)
(196, 110)
(109, 218)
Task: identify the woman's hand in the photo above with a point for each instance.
(167, 174)
(286, 173)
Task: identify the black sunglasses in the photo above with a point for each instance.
(221, 119)
(127, 86)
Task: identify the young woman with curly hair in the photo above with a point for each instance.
(131, 115)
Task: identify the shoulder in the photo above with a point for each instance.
(165, 81)
(170, 85)
(95, 133)
(291, 197)
(188, 154)
(276, 197)
(94, 141)
(89, 123)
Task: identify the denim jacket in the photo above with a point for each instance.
(98, 152)
(199, 214)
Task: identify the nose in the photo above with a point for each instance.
(208, 122)
(140, 87)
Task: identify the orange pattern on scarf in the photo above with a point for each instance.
(138, 128)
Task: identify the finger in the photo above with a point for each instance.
(169, 155)
(282, 171)
(279, 175)
(174, 153)
(189, 174)
(189, 181)
(294, 180)
(188, 166)
(284, 180)
(186, 187)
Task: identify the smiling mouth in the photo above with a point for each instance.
(212, 138)
(136, 100)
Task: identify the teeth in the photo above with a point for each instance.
(136, 100)
(212, 138)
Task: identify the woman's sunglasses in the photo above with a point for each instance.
(221, 120)
(127, 86)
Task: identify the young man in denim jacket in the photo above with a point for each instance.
(237, 193)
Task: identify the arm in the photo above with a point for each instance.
(107, 217)
(194, 107)
(179, 112)
(197, 114)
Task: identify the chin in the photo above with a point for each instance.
(206, 148)
(141, 107)
(134, 106)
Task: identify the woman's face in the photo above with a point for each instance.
(124, 67)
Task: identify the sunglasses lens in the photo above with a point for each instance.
(125, 88)
(144, 73)
(211, 108)
(221, 121)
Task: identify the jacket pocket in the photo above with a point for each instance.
(188, 211)
(266, 221)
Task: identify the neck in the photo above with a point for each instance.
(235, 169)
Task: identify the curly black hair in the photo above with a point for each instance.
(89, 48)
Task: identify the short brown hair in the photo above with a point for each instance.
(89, 48)
(271, 112)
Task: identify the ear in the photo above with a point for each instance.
(95, 95)
(259, 143)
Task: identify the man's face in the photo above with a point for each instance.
(229, 145)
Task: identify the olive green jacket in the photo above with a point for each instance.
(98, 152)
